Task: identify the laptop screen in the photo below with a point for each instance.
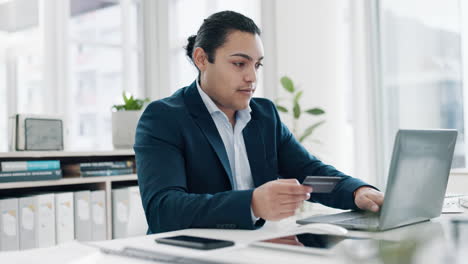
(418, 176)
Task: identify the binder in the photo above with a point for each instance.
(27, 222)
(137, 225)
(82, 200)
(64, 217)
(120, 211)
(128, 216)
(98, 215)
(9, 231)
(45, 224)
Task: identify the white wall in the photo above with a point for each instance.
(312, 48)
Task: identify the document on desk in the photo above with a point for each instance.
(149, 255)
(452, 206)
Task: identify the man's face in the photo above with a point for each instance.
(231, 80)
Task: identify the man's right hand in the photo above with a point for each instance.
(276, 200)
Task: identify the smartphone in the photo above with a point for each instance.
(194, 242)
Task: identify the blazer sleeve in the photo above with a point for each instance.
(159, 149)
(294, 161)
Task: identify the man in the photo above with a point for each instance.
(211, 156)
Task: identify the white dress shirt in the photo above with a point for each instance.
(233, 140)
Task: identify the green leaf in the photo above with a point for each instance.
(281, 108)
(310, 129)
(298, 96)
(297, 110)
(130, 103)
(287, 84)
(315, 111)
(125, 97)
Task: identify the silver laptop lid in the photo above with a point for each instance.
(418, 176)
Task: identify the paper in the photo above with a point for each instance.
(98, 214)
(83, 209)
(27, 218)
(9, 223)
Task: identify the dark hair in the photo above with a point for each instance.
(214, 30)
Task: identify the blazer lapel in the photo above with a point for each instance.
(204, 120)
(255, 146)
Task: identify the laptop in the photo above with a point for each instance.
(416, 184)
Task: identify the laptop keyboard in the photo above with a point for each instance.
(363, 221)
(358, 219)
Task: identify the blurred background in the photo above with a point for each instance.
(372, 66)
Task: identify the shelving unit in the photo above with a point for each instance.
(71, 183)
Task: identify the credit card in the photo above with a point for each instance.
(321, 184)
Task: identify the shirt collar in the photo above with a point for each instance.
(213, 108)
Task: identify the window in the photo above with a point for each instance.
(103, 56)
(192, 13)
(76, 65)
(3, 105)
(21, 59)
(421, 72)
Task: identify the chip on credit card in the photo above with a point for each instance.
(321, 184)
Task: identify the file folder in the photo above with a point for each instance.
(98, 212)
(82, 200)
(64, 217)
(45, 224)
(9, 231)
(27, 222)
(120, 211)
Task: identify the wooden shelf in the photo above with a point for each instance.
(67, 181)
(59, 154)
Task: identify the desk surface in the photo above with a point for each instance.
(241, 253)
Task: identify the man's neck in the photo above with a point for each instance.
(231, 114)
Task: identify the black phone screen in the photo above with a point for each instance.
(322, 241)
(195, 242)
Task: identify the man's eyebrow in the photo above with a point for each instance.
(245, 56)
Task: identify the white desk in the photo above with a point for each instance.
(241, 253)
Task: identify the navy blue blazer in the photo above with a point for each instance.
(183, 169)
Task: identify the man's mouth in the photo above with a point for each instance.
(247, 91)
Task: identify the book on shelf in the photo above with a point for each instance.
(93, 169)
(15, 176)
(32, 165)
(106, 172)
(106, 165)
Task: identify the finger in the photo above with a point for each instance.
(287, 188)
(289, 207)
(376, 196)
(294, 181)
(286, 214)
(367, 204)
(293, 198)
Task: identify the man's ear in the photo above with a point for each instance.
(200, 58)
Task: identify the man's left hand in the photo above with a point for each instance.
(369, 199)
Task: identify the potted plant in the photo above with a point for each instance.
(124, 121)
(297, 111)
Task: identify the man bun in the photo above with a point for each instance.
(190, 45)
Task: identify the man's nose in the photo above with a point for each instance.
(251, 75)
